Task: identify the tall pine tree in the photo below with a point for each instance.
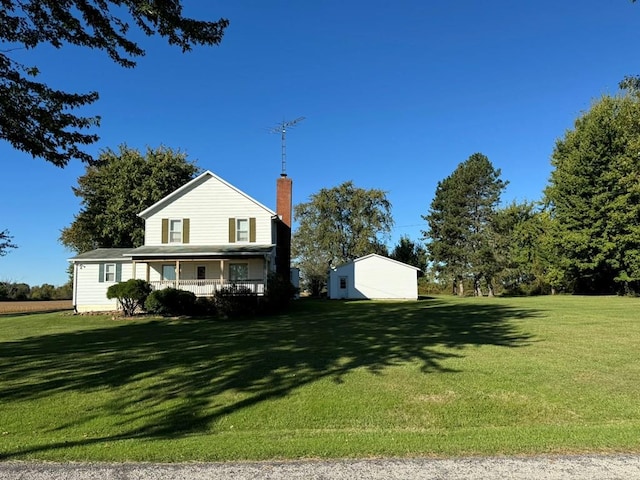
(459, 239)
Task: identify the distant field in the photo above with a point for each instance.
(35, 306)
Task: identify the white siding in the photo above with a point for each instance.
(90, 295)
(374, 277)
(377, 277)
(188, 269)
(335, 291)
(208, 206)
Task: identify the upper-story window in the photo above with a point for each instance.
(175, 231)
(242, 229)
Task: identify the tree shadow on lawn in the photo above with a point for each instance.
(181, 376)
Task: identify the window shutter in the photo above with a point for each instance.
(232, 230)
(165, 230)
(185, 230)
(118, 272)
(252, 230)
(101, 273)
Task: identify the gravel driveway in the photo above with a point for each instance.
(621, 467)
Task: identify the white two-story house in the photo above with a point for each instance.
(205, 235)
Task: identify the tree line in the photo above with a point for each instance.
(22, 291)
(582, 236)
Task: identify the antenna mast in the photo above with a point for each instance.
(282, 129)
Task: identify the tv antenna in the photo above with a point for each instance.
(282, 129)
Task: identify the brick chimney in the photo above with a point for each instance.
(283, 229)
(283, 198)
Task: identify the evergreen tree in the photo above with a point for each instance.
(594, 197)
(411, 253)
(459, 239)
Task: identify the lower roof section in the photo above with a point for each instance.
(173, 251)
(198, 251)
(103, 255)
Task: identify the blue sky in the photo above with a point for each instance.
(395, 95)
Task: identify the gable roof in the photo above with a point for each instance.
(375, 255)
(200, 179)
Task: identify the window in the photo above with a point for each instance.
(238, 271)
(201, 272)
(343, 283)
(175, 231)
(242, 230)
(110, 272)
(168, 272)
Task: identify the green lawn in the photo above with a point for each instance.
(438, 377)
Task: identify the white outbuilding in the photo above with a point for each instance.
(374, 277)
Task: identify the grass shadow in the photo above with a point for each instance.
(181, 367)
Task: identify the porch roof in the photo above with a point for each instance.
(198, 251)
(103, 254)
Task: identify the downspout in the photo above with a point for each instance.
(74, 295)
(266, 269)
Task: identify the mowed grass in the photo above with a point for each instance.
(438, 377)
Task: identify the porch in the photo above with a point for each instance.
(204, 270)
(207, 288)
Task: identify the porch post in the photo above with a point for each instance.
(221, 273)
(133, 269)
(177, 273)
(265, 273)
(148, 271)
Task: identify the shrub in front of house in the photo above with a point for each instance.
(235, 301)
(278, 295)
(171, 301)
(205, 306)
(131, 295)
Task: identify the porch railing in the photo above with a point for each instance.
(206, 288)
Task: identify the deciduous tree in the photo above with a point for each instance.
(116, 188)
(6, 242)
(525, 255)
(337, 225)
(37, 118)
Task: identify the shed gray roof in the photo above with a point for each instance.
(375, 255)
(103, 254)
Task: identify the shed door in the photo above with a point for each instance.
(342, 287)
